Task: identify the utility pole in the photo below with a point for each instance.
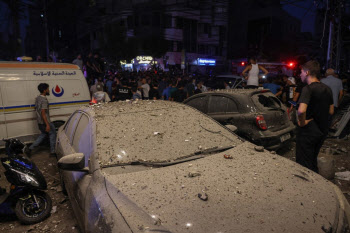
(335, 36)
(46, 31)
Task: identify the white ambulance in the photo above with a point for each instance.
(19, 88)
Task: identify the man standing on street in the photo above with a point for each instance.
(43, 118)
(335, 85)
(145, 89)
(79, 62)
(315, 106)
(253, 73)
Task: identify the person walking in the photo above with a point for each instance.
(335, 85)
(315, 107)
(43, 117)
(253, 73)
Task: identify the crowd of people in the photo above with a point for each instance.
(147, 85)
(175, 86)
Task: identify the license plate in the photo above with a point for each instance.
(285, 137)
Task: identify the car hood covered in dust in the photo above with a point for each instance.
(252, 192)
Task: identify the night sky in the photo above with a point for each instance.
(305, 11)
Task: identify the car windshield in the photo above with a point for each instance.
(157, 135)
(267, 101)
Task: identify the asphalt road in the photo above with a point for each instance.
(63, 220)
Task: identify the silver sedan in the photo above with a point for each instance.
(157, 166)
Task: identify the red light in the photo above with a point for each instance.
(93, 101)
(291, 64)
(260, 122)
(242, 63)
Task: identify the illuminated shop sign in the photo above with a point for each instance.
(143, 59)
(206, 62)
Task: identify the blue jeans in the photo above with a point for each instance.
(42, 136)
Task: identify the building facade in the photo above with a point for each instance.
(260, 28)
(174, 32)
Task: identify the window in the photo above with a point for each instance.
(199, 103)
(179, 23)
(82, 138)
(217, 104)
(136, 21)
(179, 46)
(206, 28)
(146, 20)
(268, 101)
(231, 106)
(130, 22)
(71, 126)
(82, 135)
(156, 19)
(170, 45)
(167, 21)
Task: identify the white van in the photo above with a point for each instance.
(19, 88)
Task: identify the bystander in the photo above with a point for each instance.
(315, 106)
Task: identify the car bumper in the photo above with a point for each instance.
(273, 140)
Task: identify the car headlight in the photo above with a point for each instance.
(27, 178)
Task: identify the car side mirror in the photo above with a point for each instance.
(73, 162)
(231, 127)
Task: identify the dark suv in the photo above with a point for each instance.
(258, 115)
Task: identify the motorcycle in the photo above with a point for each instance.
(26, 199)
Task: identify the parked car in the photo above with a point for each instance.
(217, 82)
(258, 115)
(157, 166)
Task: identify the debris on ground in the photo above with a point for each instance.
(193, 174)
(203, 196)
(54, 209)
(259, 148)
(343, 175)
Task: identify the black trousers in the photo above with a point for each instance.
(309, 140)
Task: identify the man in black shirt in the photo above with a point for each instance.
(122, 92)
(315, 106)
(180, 95)
(154, 92)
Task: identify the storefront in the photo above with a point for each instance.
(143, 63)
(126, 66)
(203, 65)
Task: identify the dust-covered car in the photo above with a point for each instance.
(158, 166)
(258, 115)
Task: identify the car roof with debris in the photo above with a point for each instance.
(130, 106)
(238, 91)
(155, 131)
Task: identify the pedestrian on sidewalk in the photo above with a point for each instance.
(335, 84)
(315, 107)
(43, 117)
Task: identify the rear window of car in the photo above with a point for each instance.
(267, 101)
(221, 104)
